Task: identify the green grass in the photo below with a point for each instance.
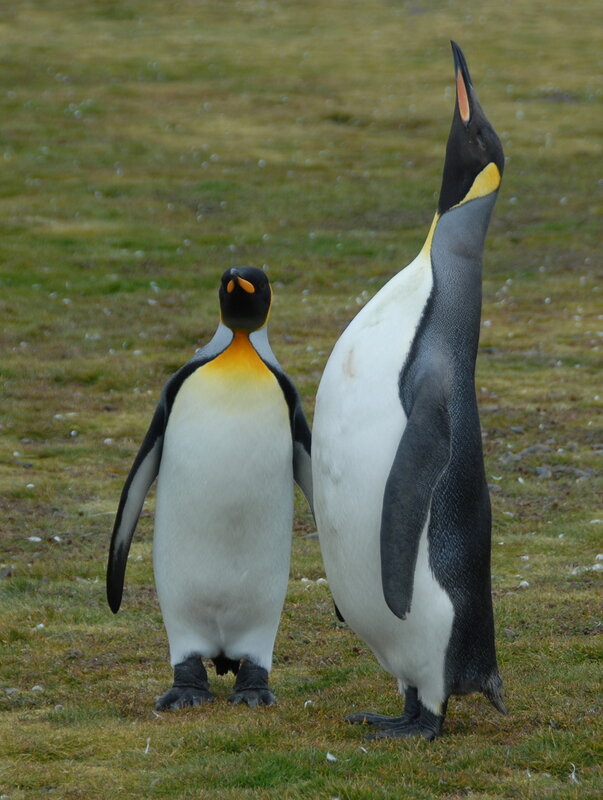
(144, 148)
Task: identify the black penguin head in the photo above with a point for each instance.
(473, 145)
(245, 297)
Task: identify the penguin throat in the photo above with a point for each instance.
(239, 360)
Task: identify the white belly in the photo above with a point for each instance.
(223, 518)
(358, 424)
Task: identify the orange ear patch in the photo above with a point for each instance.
(463, 98)
(230, 287)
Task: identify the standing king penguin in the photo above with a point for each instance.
(227, 440)
(400, 494)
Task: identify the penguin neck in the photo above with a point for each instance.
(456, 249)
(239, 360)
(241, 342)
(246, 342)
(464, 227)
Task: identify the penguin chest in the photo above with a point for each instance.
(225, 490)
(359, 417)
(358, 424)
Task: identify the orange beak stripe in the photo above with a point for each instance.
(247, 286)
(463, 98)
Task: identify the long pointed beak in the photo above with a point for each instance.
(463, 84)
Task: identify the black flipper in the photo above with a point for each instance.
(139, 481)
(300, 432)
(422, 455)
(144, 471)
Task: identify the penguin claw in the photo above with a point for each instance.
(253, 697)
(176, 698)
(427, 725)
(380, 721)
(405, 731)
(252, 686)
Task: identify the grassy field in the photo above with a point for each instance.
(145, 146)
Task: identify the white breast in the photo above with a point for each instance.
(358, 423)
(224, 514)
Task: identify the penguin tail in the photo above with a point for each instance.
(493, 689)
(224, 665)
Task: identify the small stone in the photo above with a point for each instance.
(535, 448)
(509, 458)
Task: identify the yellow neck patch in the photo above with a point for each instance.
(427, 245)
(485, 183)
(238, 362)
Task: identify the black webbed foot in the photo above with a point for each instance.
(190, 688)
(417, 720)
(251, 686)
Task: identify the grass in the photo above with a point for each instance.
(144, 148)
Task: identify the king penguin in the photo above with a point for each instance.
(227, 440)
(400, 494)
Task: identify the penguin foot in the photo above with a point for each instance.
(400, 727)
(191, 687)
(182, 697)
(251, 686)
(417, 720)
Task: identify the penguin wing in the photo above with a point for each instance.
(422, 456)
(300, 431)
(302, 438)
(142, 474)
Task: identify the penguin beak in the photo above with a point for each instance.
(463, 84)
(236, 280)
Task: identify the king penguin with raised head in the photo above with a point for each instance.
(227, 440)
(400, 493)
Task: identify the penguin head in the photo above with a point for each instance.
(474, 155)
(245, 298)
